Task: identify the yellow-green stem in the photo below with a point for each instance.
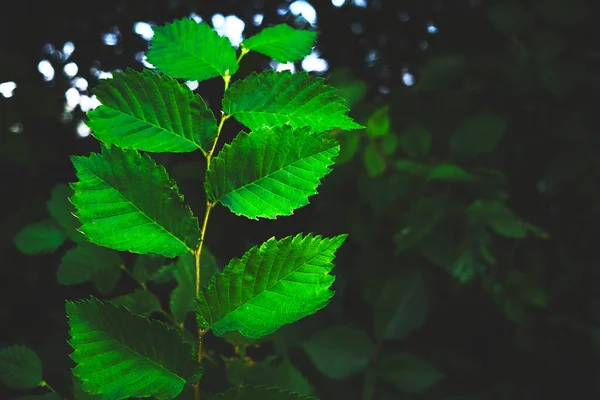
(45, 384)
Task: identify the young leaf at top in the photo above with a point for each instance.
(88, 262)
(151, 112)
(39, 237)
(190, 50)
(272, 285)
(270, 172)
(20, 367)
(122, 355)
(282, 43)
(276, 98)
(260, 393)
(127, 202)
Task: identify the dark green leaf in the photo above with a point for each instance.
(423, 215)
(411, 167)
(141, 302)
(509, 17)
(476, 135)
(88, 262)
(190, 50)
(389, 144)
(39, 237)
(277, 98)
(63, 212)
(339, 351)
(349, 142)
(499, 217)
(46, 396)
(151, 112)
(374, 161)
(378, 123)
(121, 355)
(259, 393)
(450, 172)
(415, 141)
(408, 372)
(270, 172)
(466, 267)
(348, 86)
(441, 71)
(272, 285)
(126, 201)
(146, 267)
(20, 367)
(282, 43)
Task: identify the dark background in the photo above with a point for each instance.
(484, 334)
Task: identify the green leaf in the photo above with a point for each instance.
(339, 351)
(146, 267)
(509, 17)
(450, 172)
(183, 296)
(348, 86)
(378, 123)
(151, 112)
(20, 367)
(277, 98)
(422, 216)
(441, 72)
(288, 377)
(499, 217)
(45, 396)
(190, 50)
(39, 237)
(401, 303)
(259, 393)
(270, 172)
(374, 161)
(408, 372)
(121, 355)
(272, 285)
(282, 43)
(349, 142)
(411, 167)
(88, 262)
(63, 212)
(389, 143)
(477, 134)
(563, 12)
(141, 302)
(415, 141)
(466, 267)
(78, 393)
(127, 202)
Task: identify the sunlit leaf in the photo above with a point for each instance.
(339, 351)
(190, 50)
(126, 201)
(408, 372)
(151, 112)
(88, 262)
(272, 285)
(259, 393)
(275, 98)
(282, 43)
(121, 355)
(39, 237)
(141, 302)
(270, 172)
(20, 367)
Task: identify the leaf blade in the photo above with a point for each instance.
(20, 367)
(282, 43)
(270, 172)
(39, 237)
(141, 215)
(190, 50)
(275, 98)
(151, 112)
(280, 282)
(121, 355)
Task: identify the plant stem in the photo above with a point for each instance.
(242, 54)
(45, 384)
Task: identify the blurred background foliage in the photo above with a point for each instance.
(471, 198)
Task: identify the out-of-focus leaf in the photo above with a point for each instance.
(39, 237)
(450, 172)
(378, 123)
(146, 267)
(389, 143)
(415, 141)
(563, 12)
(509, 17)
(141, 302)
(20, 367)
(441, 72)
(259, 393)
(349, 87)
(561, 76)
(477, 134)
(419, 221)
(63, 212)
(411, 167)
(339, 351)
(374, 161)
(349, 142)
(408, 372)
(546, 45)
(499, 217)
